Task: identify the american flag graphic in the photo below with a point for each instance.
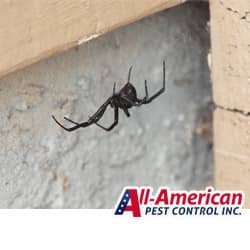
(123, 203)
(129, 201)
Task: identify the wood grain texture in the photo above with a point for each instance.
(34, 29)
(232, 152)
(230, 32)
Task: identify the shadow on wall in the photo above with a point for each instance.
(164, 143)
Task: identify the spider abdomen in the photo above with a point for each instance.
(128, 95)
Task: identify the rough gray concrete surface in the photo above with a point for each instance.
(42, 166)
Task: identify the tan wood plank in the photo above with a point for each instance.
(232, 152)
(230, 32)
(34, 29)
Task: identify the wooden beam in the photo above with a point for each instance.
(232, 152)
(31, 30)
(230, 32)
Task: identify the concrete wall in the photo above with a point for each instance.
(42, 166)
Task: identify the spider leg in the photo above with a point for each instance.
(129, 73)
(84, 124)
(67, 119)
(148, 100)
(93, 119)
(116, 120)
(142, 101)
(146, 89)
(114, 88)
(126, 112)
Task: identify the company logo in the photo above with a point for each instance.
(140, 201)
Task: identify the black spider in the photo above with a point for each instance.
(125, 99)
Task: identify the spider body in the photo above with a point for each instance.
(124, 99)
(128, 91)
